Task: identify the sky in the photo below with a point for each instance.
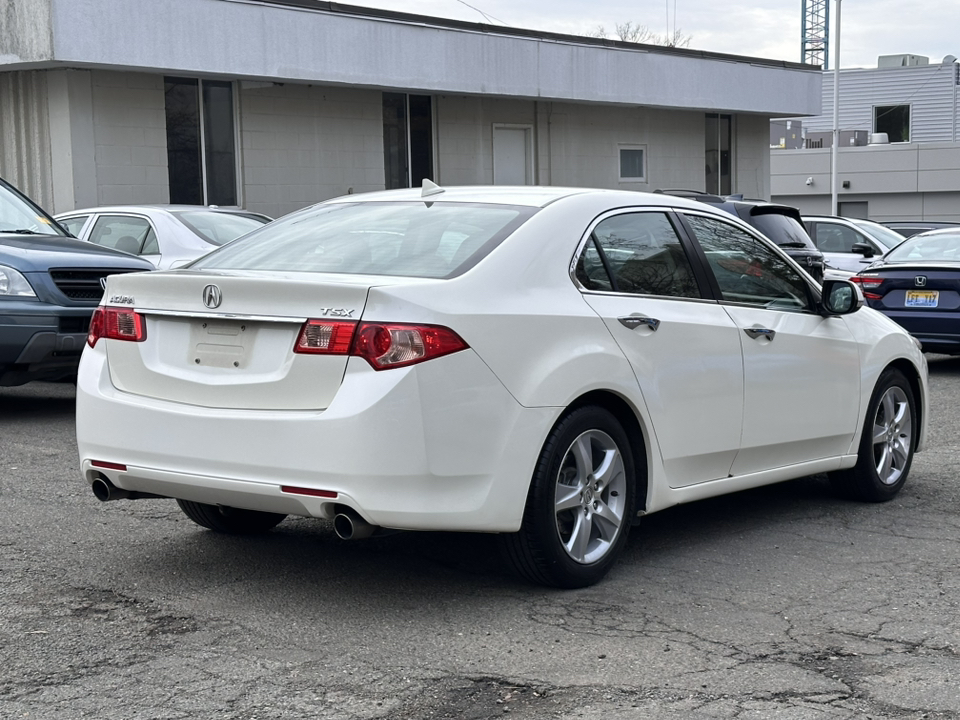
(762, 28)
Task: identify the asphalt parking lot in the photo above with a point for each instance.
(783, 602)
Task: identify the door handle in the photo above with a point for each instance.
(758, 332)
(634, 321)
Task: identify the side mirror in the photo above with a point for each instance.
(864, 249)
(840, 297)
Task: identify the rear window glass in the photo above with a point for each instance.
(419, 239)
(219, 228)
(927, 248)
(782, 229)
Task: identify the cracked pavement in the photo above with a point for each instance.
(782, 602)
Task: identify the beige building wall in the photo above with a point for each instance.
(301, 144)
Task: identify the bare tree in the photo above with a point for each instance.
(636, 33)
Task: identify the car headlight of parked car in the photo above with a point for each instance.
(13, 284)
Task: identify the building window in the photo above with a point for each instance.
(894, 120)
(201, 141)
(717, 154)
(632, 159)
(407, 140)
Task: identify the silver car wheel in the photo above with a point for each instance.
(590, 497)
(892, 430)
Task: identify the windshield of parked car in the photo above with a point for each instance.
(782, 229)
(883, 235)
(935, 247)
(219, 227)
(19, 215)
(414, 239)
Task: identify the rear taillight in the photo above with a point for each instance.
(383, 345)
(325, 337)
(868, 283)
(392, 345)
(116, 323)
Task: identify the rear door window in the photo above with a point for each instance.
(123, 232)
(637, 253)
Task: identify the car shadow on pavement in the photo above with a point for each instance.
(301, 554)
(946, 365)
(56, 400)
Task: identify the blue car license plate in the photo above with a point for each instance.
(922, 298)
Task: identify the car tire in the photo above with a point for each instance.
(232, 521)
(887, 443)
(580, 503)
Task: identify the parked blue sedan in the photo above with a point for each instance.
(50, 284)
(917, 284)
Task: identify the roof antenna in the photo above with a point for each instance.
(430, 188)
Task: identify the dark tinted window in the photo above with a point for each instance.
(644, 255)
(746, 270)
(782, 229)
(435, 240)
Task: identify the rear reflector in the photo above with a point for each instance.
(108, 465)
(116, 323)
(308, 491)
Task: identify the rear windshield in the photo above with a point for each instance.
(416, 239)
(219, 227)
(782, 229)
(927, 248)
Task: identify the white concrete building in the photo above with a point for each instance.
(276, 104)
(913, 175)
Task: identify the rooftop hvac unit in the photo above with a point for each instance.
(889, 61)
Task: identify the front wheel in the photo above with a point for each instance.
(580, 503)
(232, 521)
(887, 443)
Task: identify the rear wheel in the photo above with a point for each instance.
(886, 445)
(233, 521)
(580, 503)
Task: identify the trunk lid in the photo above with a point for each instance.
(226, 339)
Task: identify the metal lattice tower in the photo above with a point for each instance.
(815, 33)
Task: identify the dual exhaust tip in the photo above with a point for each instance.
(347, 523)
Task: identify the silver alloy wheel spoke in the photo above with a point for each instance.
(892, 435)
(590, 496)
(568, 498)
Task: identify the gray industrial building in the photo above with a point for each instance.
(276, 104)
(899, 152)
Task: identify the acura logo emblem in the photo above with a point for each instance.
(103, 283)
(211, 296)
(920, 280)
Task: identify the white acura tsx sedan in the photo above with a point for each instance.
(549, 364)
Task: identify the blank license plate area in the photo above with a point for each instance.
(922, 298)
(222, 344)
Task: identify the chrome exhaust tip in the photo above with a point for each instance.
(350, 526)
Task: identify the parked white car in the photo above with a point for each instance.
(549, 364)
(850, 244)
(166, 235)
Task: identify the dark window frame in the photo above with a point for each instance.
(213, 181)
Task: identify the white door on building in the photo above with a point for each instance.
(512, 155)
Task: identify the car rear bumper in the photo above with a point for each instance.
(938, 332)
(438, 446)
